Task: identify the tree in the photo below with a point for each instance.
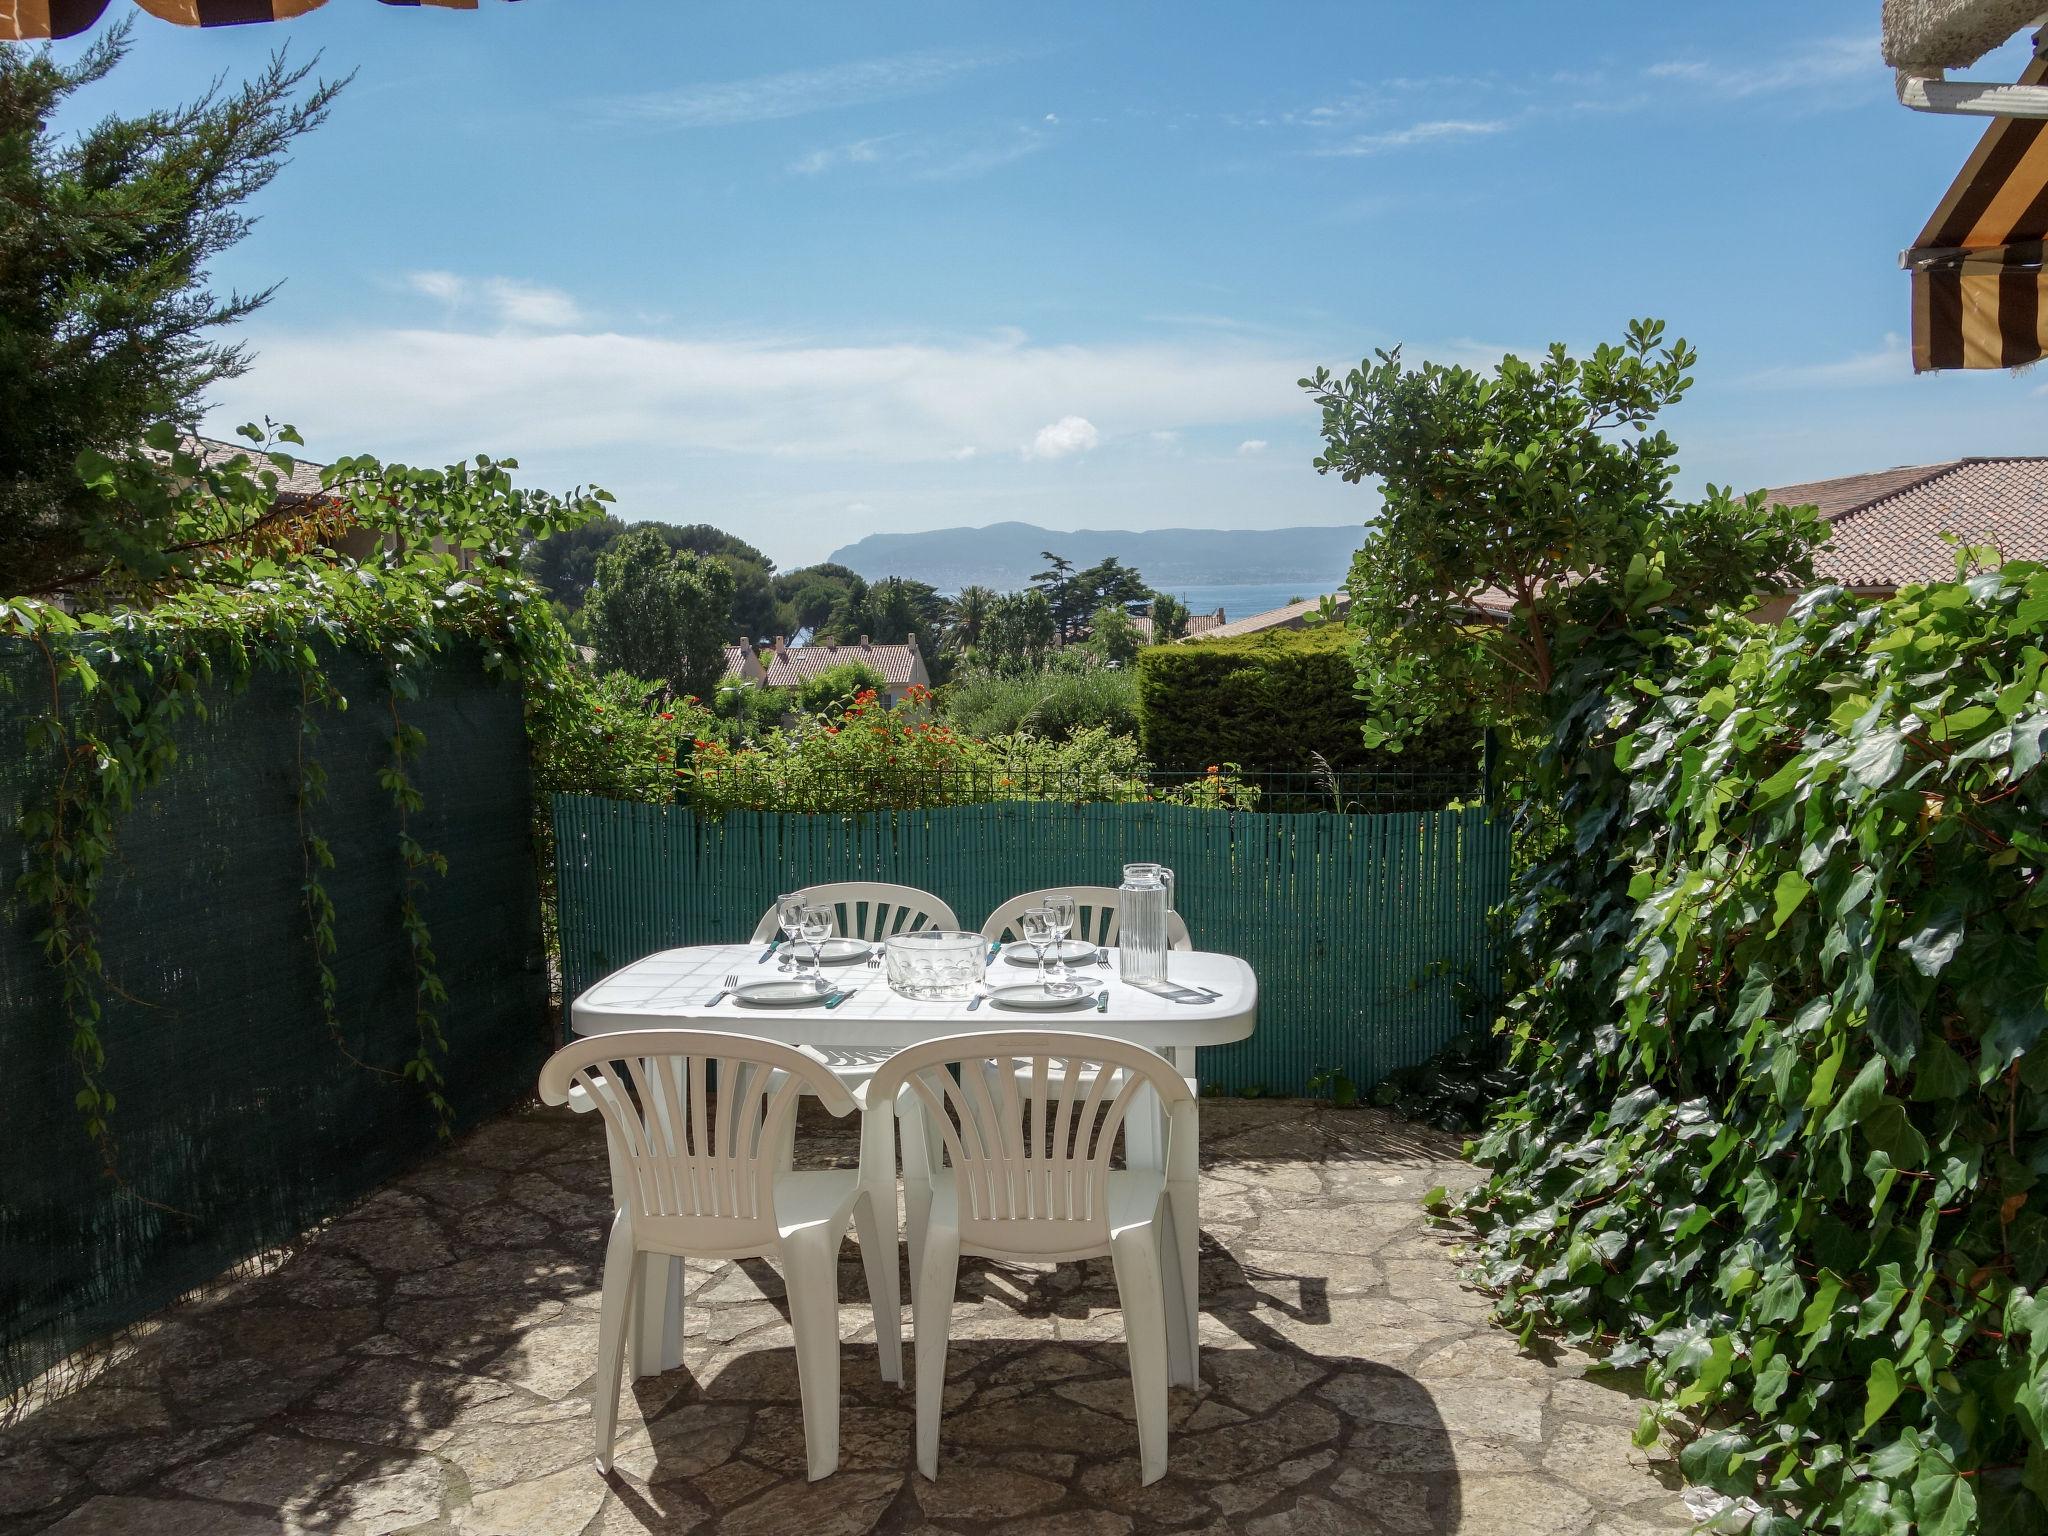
(661, 612)
(1169, 618)
(1110, 581)
(1056, 584)
(1021, 630)
(566, 565)
(106, 320)
(1113, 637)
(969, 615)
(1524, 512)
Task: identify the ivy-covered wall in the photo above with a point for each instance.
(1787, 1031)
(242, 1114)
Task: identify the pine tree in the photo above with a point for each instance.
(106, 321)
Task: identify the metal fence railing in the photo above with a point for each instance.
(1369, 932)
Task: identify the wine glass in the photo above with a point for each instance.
(1061, 913)
(1035, 925)
(816, 927)
(789, 917)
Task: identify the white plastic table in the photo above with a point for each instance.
(673, 987)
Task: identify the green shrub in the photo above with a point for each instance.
(831, 690)
(1274, 703)
(1055, 704)
(1788, 1108)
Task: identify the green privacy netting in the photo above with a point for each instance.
(240, 1121)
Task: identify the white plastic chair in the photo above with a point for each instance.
(1096, 919)
(1022, 1172)
(702, 1174)
(869, 910)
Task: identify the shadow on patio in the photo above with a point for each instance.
(423, 1364)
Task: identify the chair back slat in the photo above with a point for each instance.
(695, 1162)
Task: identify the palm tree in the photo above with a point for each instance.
(970, 615)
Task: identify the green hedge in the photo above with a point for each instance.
(1267, 702)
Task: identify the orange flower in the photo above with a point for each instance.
(666, 715)
(1214, 769)
(831, 730)
(688, 698)
(598, 707)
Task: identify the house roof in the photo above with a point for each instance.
(1198, 624)
(1288, 616)
(736, 659)
(1889, 527)
(303, 483)
(899, 665)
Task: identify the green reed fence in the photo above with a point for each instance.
(1369, 933)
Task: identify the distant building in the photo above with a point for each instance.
(1292, 616)
(782, 665)
(1198, 624)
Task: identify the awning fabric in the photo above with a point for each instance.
(1978, 284)
(23, 19)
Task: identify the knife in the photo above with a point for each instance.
(1102, 1001)
(839, 997)
(995, 948)
(768, 951)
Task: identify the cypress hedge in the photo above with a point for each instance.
(1271, 703)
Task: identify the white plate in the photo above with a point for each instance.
(778, 994)
(833, 951)
(1073, 951)
(1032, 998)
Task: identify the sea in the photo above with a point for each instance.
(1241, 602)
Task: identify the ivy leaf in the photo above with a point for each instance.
(1876, 762)
(1944, 1504)
(1894, 1021)
(1881, 1389)
(1792, 889)
(1859, 1098)
(1936, 944)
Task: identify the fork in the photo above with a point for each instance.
(732, 980)
(875, 958)
(1102, 958)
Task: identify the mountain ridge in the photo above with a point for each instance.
(1006, 555)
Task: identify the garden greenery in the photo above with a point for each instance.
(220, 593)
(1787, 1119)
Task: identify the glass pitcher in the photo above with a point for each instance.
(1143, 901)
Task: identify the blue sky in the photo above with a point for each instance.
(813, 271)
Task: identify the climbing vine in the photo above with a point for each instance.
(1786, 1124)
(146, 648)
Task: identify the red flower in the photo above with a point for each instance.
(666, 715)
(688, 698)
(598, 707)
(831, 730)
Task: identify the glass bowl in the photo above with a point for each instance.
(935, 963)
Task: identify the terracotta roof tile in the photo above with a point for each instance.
(900, 665)
(1889, 527)
(303, 481)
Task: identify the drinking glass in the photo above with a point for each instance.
(815, 925)
(1035, 924)
(789, 917)
(1061, 913)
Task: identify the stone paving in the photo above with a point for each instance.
(422, 1365)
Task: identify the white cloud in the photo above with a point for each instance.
(1434, 131)
(1052, 117)
(521, 305)
(1801, 67)
(1068, 435)
(1891, 363)
(592, 394)
(948, 158)
(859, 152)
(445, 286)
(529, 304)
(856, 508)
(1252, 447)
(791, 93)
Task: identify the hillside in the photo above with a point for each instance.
(1006, 555)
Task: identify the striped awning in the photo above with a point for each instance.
(23, 19)
(1978, 299)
